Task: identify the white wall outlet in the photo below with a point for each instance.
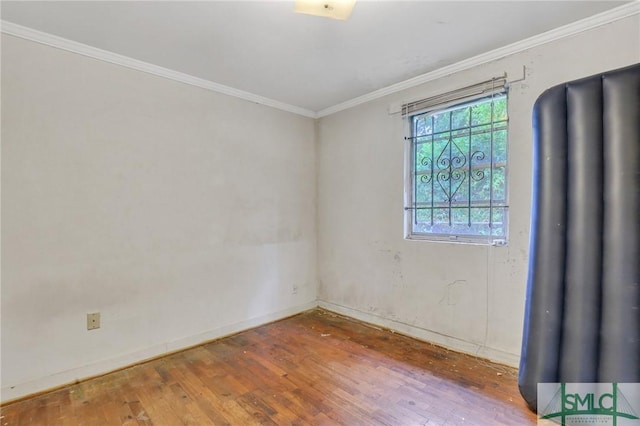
(93, 321)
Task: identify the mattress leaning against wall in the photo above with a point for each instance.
(582, 314)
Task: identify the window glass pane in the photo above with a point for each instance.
(500, 145)
(499, 184)
(460, 118)
(423, 156)
(440, 122)
(421, 126)
(459, 170)
(500, 108)
(481, 114)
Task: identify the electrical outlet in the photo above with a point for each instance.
(93, 321)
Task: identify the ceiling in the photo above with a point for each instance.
(313, 63)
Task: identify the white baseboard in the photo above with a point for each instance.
(448, 342)
(68, 377)
(9, 393)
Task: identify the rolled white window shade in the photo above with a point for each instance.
(485, 88)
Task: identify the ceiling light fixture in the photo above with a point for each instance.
(335, 9)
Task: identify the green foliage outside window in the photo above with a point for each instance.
(459, 169)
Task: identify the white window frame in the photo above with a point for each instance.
(409, 181)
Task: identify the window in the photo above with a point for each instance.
(456, 183)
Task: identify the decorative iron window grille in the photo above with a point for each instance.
(458, 172)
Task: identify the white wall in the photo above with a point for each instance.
(177, 213)
(182, 215)
(466, 297)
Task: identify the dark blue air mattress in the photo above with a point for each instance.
(582, 315)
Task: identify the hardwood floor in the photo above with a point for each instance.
(316, 368)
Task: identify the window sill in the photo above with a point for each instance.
(458, 239)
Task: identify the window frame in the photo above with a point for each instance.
(409, 180)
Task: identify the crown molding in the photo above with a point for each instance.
(600, 19)
(594, 21)
(82, 49)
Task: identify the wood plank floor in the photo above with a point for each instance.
(316, 368)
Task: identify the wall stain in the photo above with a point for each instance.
(454, 293)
